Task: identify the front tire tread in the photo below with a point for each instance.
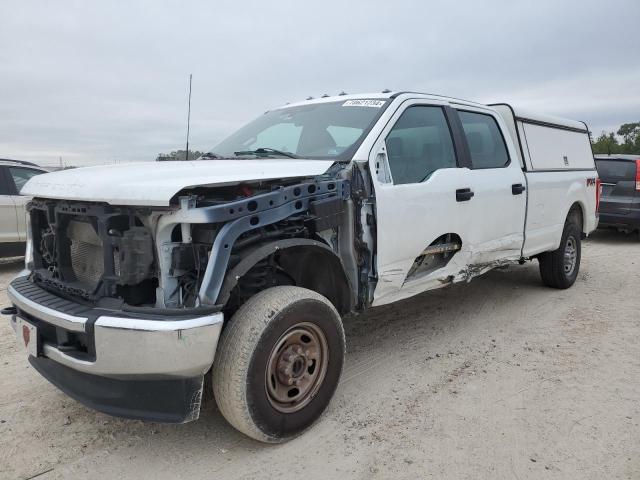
(238, 343)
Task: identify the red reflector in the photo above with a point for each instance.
(598, 193)
(26, 335)
(638, 175)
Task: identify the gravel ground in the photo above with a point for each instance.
(501, 378)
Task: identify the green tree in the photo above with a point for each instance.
(630, 133)
(625, 140)
(606, 143)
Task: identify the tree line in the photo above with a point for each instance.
(179, 155)
(625, 140)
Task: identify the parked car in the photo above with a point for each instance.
(14, 175)
(141, 278)
(620, 200)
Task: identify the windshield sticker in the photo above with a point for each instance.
(363, 103)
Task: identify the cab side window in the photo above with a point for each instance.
(419, 144)
(5, 188)
(21, 176)
(486, 144)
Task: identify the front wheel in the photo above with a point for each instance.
(278, 363)
(559, 269)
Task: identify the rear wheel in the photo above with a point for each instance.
(278, 363)
(559, 269)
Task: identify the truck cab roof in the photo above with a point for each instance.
(390, 95)
(518, 112)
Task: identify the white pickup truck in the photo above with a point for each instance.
(142, 278)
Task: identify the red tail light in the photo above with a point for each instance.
(638, 175)
(599, 193)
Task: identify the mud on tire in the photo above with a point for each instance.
(278, 363)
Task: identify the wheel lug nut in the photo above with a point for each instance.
(290, 381)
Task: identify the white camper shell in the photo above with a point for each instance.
(547, 142)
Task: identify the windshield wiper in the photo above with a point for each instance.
(211, 156)
(266, 152)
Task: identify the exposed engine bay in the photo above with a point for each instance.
(93, 251)
(181, 256)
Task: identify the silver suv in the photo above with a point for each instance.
(13, 175)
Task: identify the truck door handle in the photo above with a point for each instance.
(517, 188)
(464, 194)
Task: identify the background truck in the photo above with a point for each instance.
(141, 278)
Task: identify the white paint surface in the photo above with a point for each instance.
(553, 148)
(410, 217)
(155, 183)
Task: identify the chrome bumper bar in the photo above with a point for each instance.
(132, 346)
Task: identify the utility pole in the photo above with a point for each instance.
(186, 155)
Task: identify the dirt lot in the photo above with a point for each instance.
(501, 378)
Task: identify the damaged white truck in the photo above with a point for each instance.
(141, 279)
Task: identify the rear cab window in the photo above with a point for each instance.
(486, 143)
(616, 170)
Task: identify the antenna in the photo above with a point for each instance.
(186, 156)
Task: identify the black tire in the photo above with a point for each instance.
(554, 270)
(250, 373)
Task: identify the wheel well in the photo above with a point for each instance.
(303, 263)
(319, 270)
(577, 212)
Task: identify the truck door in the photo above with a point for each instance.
(497, 208)
(420, 185)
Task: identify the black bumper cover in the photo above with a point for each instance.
(631, 220)
(167, 400)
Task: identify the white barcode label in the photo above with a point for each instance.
(363, 103)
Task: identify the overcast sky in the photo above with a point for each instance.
(98, 82)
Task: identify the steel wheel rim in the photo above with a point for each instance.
(570, 255)
(296, 367)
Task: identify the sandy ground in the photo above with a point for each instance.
(501, 378)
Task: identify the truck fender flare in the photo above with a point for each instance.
(264, 250)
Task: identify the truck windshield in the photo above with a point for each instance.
(332, 130)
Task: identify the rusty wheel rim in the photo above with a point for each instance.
(296, 368)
